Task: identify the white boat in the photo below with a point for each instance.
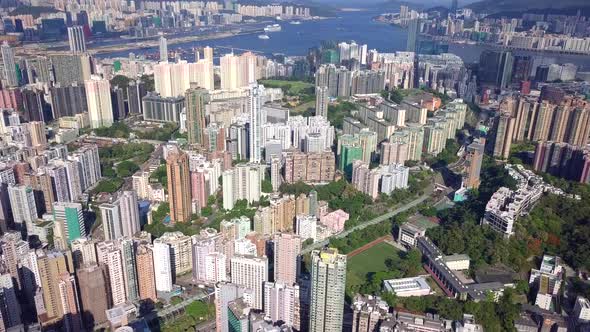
(273, 28)
(295, 22)
(263, 37)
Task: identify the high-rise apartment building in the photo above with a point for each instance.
(127, 248)
(237, 71)
(287, 251)
(225, 293)
(93, 295)
(328, 282)
(201, 247)
(242, 182)
(413, 34)
(181, 256)
(98, 99)
(146, 280)
(162, 267)
(70, 68)
(121, 217)
(68, 292)
(504, 128)
(195, 100)
(309, 167)
(9, 65)
(349, 152)
(83, 252)
(322, 99)
(163, 49)
(114, 263)
(473, 161)
(10, 308)
(251, 272)
(393, 153)
(275, 172)
(76, 39)
(24, 208)
(52, 266)
(36, 131)
(255, 100)
(282, 303)
(179, 186)
(173, 79)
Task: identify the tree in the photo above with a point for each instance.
(390, 298)
(266, 186)
(126, 168)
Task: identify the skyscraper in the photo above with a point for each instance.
(162, 267)
(201, 248)
(454, 6)
(322, 98)
(328, 281)
(163, 49)
(242, 182)
(24, 208)
(77, 39)
(504, 127)
(51, 266)
(413, 34)
(120, 218)
(225, 292)
(208, 53)
(255, 99)
(114, 263)
(229, 71)
(495, 67)
(98, 98)
(275, 172)
(287, 248)
(250, 272)
(129, 272)
(9, 65)
(93, 294)
(195, 115)
(180, 251)
(70, 68)
(281, 303)
(68, 221)
(68, 100)
(68, 292)
(9, 304)
(179, 186)
(473, 160)
(145, 272)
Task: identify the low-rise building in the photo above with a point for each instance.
(457, 262)
(416, 286)
(582, 309)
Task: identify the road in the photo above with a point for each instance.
(383, 217)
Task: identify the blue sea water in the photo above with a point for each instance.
(347, 26)
(297, 39)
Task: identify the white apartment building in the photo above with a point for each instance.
(250, 272)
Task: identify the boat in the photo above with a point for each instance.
(263, 37)
(273, 28)
(295, 22)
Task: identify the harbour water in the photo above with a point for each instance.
(297, 39)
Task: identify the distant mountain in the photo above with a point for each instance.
(495, 6)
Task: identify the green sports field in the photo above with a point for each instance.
(370, 260)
